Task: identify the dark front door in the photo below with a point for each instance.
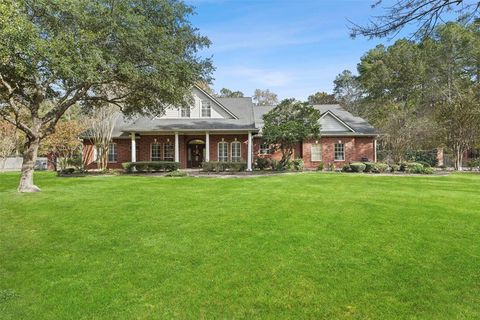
(195, 155)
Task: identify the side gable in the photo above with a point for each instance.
(331, 123)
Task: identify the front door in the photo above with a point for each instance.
(195, 155)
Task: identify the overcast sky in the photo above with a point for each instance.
(292, 47)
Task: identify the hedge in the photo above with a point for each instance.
(217, 166)
(357, 166)
(151, 166)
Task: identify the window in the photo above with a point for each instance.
(206, 109)
(339, 152)
(185, 112)
(168, 151)
(112, 152)
(265, 149)
(222, 151)
(155, 151)
(236, 154)
(316, 152)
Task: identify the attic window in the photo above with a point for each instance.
(185, 112)
(206, 109)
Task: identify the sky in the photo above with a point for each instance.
(292, 47)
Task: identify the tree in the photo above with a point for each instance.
(8, 141)
(347, 91)
(101, 124)
(64, 143)
(227, 93)
(322, 98)
(138, 55)
(289, 123)
(264, 97)
(425, 14)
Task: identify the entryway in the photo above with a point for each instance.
(195, 153)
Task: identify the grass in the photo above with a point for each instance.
(297, 246)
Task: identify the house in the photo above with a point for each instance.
(229, 129)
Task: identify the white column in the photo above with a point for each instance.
(249, 152)
(207, 146)
(134, 148)
(374, 150)
(177, 148)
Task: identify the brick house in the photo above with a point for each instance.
(229, 129)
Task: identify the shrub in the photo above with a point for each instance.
(394, 167)
(298, 164)
(423, 156)
(381, 167)
(369, 166)
(474, 163)
(414, 167)
(428, 170)
(357, 167)
(176, 173)
(277, 166)
(320, 166)
(217, 166)
(332, 167)
(150, 166)
(262, 163)
(346, 168)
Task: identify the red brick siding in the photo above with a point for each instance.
(123, 154)
(356, 148)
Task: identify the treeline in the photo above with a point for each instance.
(420, 94)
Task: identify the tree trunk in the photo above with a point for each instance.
(29, 159)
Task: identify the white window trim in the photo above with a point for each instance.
(218, 151)
(159, 151)
(260, 149)
(316, 145)
(116, 152)
(239, 151)
(335, 153)
(187, 110)
(206, 102)
(164, 158)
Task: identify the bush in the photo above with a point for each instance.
(357, 167)
(262, 163)
(394, 167)
(474, 164)
(217, 166)
(428, 170)
(320, 166)
(381, 167)
(151, 166)
(428, 157)
(176, 173)
(414, 167)
(298, 164)
(346, 168)
(369, 166)
(276, 166)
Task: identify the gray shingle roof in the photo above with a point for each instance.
(359, 125)
(249, 117)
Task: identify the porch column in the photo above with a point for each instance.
(133, 147)
(374, 150)
(207, 146)
(177, 148)
(249, 152)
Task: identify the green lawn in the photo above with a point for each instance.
(295, 246)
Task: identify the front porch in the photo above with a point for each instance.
(191, 149)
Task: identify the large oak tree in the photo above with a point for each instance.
(139, 55)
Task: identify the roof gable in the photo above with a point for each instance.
(331, 123)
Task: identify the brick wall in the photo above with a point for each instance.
(123, 154)
(356, 148)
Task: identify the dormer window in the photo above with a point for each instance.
(185, 112)
(206, 109)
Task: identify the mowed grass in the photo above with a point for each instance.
(294, 246)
